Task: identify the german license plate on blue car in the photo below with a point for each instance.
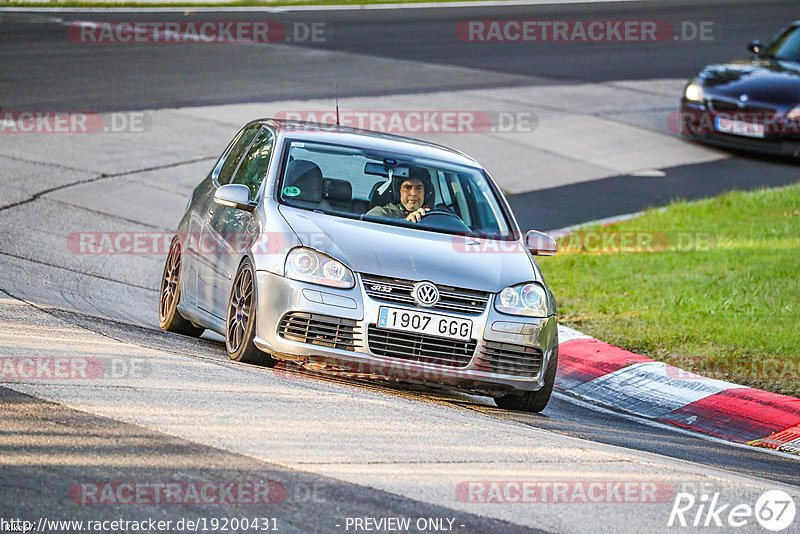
(424, 323)
(737, 127)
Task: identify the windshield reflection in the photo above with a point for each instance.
(785, 47)
(392, 189)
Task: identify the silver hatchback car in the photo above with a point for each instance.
(360, 251)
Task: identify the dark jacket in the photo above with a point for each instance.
(393, 211)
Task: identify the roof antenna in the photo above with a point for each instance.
(337, 105)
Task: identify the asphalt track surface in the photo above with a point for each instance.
(103, 449)
(553, 208)
(42, 69)
(46, 70)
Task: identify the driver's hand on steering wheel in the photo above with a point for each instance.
(416, 216)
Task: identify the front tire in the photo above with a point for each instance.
(532, 401)
(241, 319)
(169, 318)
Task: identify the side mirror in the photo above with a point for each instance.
(234, 196)
(540, 244)
(755, 47)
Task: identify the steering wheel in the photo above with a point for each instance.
(444, 219)
(442, 211)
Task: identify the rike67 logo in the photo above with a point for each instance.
(774, 510)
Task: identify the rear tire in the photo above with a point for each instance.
(532, 401)
(169, 318)
(241, 319)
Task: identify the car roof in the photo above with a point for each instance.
(345, 135)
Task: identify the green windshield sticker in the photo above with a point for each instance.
(291, 191)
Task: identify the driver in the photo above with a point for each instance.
(412, 198)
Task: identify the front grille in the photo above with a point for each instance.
(451, 299)
(758, 112)
(420, 348)
(508, 359)
(320, 330)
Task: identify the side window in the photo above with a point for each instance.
(253, 167)
(235, 154)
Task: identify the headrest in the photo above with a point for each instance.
(377, 199)
(340, 190)
(307, 177)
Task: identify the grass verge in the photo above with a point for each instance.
(712, 286)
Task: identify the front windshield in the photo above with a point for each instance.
(388, 188)
(786, 46)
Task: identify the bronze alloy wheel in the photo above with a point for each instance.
(241, 320)
(169, 318)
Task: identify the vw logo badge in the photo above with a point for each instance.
(744, 98)
(425, 294)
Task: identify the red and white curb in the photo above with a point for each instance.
(611, 376)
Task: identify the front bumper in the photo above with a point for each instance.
(697, 121)
(506, 352)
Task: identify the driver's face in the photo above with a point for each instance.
(412, 194)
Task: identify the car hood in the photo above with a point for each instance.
(763, 80)
(411, 254)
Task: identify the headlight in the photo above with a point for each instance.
(523, 299)
(794, 114)
(694, 92)
(311, 266)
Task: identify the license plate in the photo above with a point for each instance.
(737, 127)
(424, 323)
